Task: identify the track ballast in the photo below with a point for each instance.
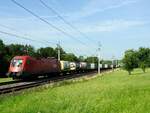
(4, 89)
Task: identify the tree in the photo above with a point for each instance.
(46, 52)
(143, 58)
(91, 59)
(69, 57)
(29, 50)
(109, 62)
(81, 58)
(18, 49)
(62, 52)
(130, 60)
(3, 61)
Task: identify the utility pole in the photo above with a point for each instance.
(99, 49)
(93, 59)
(113, 62)
(58, 47)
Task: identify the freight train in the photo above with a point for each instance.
(23, 67)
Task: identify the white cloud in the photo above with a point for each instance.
(33, 26)
(97, 6)
(111, 25)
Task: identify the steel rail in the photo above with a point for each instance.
(4, 89)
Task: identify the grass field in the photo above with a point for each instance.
(5, 79)
(116, 92)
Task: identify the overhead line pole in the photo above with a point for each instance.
(50, 24)
(99, 49)
(58, 47)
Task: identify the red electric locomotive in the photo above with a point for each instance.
(28, 67)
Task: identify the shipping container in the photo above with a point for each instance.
(65, 65)
(91, 66)
(83, 65)
(72, 66)
(106, 66)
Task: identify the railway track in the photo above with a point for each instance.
(24, 85)
(9, 82)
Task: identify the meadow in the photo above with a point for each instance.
(5, 80)
(115, 92)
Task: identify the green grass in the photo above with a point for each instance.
(5, 79)
(115, 92)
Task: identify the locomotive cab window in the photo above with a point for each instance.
(16, 62)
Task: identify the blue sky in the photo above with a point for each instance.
(118, 24)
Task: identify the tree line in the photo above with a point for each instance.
(136, 59)
(7, 52)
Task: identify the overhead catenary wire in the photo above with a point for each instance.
(23, 37)
(51, 25)
(4, 26)
(48, 23)
(26, 38)
(64, 20)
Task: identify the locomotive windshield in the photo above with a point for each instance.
(16, 62)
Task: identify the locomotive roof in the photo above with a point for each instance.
(27, 56)
(24, 56)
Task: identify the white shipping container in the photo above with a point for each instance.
(112, 66)
(92, 66)
(65, 65)
(106, 65)
(101, 65)
(72, 66)
(83, 65)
